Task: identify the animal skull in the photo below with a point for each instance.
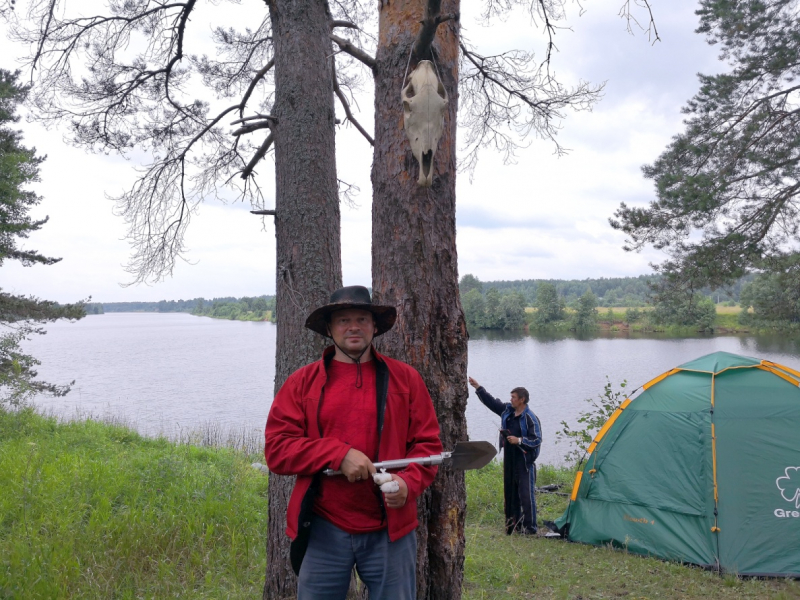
(424, 103)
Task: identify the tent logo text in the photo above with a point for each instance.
(789, 485)
(641, 520)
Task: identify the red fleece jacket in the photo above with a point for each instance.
(410, 429)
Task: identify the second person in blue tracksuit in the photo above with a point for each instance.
(521, 439)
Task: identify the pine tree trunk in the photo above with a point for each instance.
(307, 221)
(414, 267)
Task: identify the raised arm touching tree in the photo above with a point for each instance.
(727, 187)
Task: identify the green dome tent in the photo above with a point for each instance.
(703, 467)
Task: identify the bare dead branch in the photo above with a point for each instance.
(431, 20)
(261, 152)
(359, 13)
(252, 127)
(347, 192)
(118, 99)
(549, 28)
(259, 76)
(346, 105)
(231, 72)
(181, 28)
(508, 96)
(346, 24)
(253, 117)
(626, 13)
(356, 53)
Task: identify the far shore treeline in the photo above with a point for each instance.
(572, 305)
(257, 308)
(615, 303)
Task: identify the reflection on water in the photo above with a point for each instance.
(176, 372)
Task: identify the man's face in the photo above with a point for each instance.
(352, 329)
(516, 401)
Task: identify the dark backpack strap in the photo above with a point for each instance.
(299, 545)
(381, 392)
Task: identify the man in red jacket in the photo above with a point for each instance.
(352, 408)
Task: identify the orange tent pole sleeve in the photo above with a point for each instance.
(576, 485)
(780, 374)
(652, 382)
(781, 367)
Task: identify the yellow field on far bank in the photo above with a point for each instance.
(728, 310)
(721, 309)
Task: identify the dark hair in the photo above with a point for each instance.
(521, 392)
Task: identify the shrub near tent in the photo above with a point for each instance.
(703, 467)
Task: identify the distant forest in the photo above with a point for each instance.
(160, 306)
(610, 291)
(226, 307)
(769, 301)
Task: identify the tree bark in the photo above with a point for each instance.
(414, 267)
(307, 221)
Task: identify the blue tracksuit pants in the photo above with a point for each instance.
(520, 499)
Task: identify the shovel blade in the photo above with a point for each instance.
(471, 455)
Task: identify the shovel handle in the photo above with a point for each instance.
(400, 463)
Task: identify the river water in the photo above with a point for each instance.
(175, 373)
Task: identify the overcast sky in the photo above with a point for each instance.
(541, 217)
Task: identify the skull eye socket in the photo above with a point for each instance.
(410, 91)
(441, 92)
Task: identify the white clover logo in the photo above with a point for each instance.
(789, 485)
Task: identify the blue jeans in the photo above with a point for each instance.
(387, 568)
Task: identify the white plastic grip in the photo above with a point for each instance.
(384, 479)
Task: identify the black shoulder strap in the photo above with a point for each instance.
(299, 545)
(381, 392)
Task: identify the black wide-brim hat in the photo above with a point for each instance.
(353, 296)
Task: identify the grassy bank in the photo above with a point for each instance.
(617, 320)
(89, 510)
(726, 321)
(251, 315)
(96, 511)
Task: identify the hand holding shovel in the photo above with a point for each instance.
(464, 457)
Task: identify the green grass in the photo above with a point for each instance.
(728, 310)
(728, 321)
(89, 510)
(617, 314)
(95, 511)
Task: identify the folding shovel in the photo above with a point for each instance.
(464, 457)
